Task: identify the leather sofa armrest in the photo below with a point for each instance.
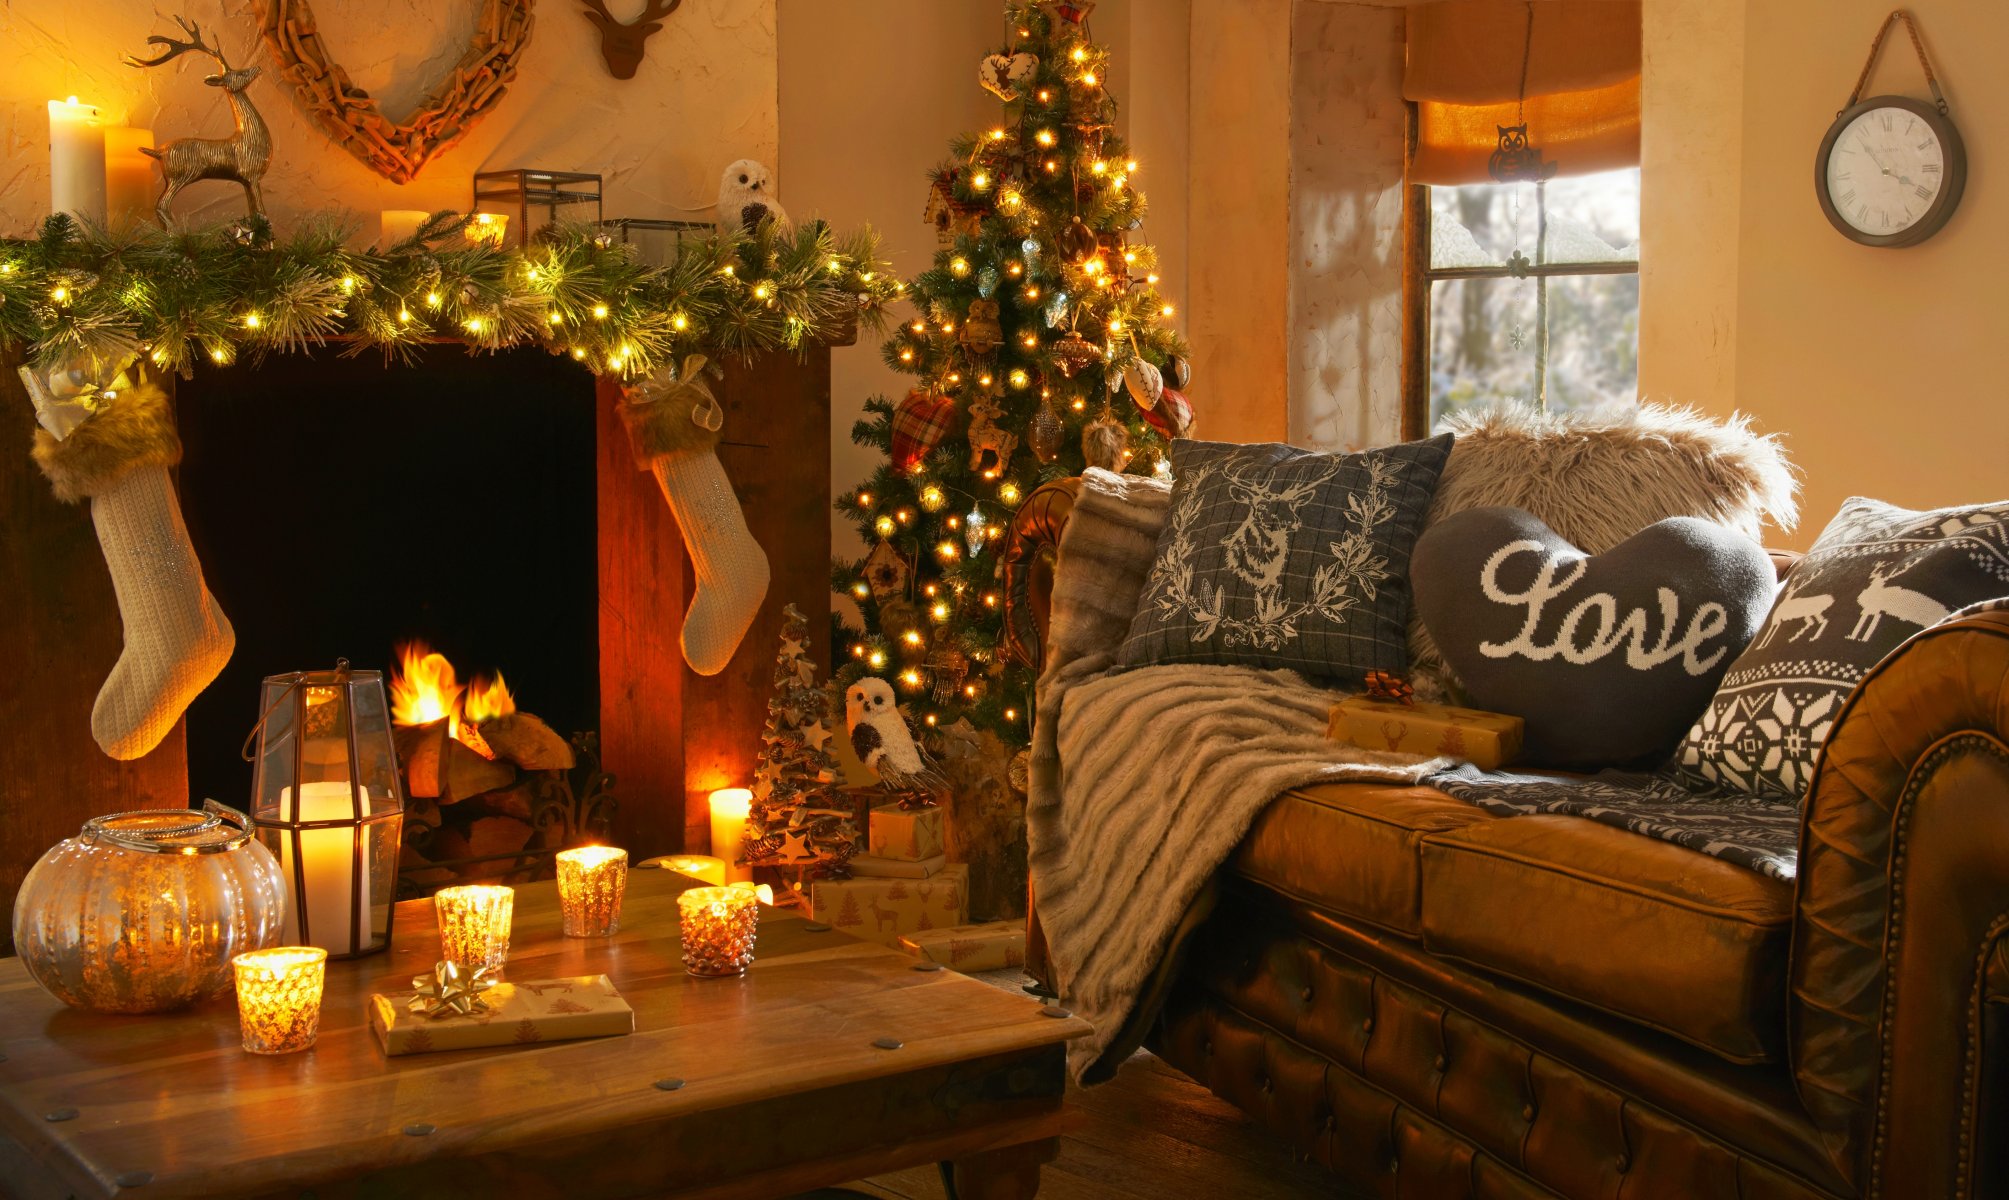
(1031, 542)
(1902, 912)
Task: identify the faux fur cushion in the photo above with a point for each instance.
(1598, 477)
(134, 430)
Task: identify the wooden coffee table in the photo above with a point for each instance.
(832, 1059)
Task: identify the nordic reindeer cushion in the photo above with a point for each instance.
(1280, 557)
(1607, 658)
(1876, 575)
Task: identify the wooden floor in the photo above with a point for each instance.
(1152, 1134)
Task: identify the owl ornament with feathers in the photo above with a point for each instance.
(746, 197)
(884, 743)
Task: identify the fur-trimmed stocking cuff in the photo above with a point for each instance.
(670, 413)
(135, 430)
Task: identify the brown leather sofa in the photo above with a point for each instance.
(1437, 1002)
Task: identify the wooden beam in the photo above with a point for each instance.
(1415, 298)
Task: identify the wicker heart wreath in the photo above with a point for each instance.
(346, 112)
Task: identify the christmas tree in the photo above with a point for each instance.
(795, 823)
(1039, 347)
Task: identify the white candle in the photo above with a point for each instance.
(335, 907)
(76, 160)
(394, 225)
(729, 809)
(130, 190)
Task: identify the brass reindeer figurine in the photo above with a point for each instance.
(241, 156)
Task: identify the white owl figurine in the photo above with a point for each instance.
(745, 196)
(884, 743)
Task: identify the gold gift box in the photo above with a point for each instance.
(988, 947)
(1486, 740)
(896, 868)
(547, 1010)
(911, 834)
(880, 910)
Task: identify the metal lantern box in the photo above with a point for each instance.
(325, 798)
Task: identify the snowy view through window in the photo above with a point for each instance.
(1486, 325)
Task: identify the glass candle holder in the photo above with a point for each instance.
(718, 927)
(474, 924)
(591, 881)
(279, 997)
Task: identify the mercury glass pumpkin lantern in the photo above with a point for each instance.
(327, 801)
(142, 911)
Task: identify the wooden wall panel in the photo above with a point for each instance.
(59, 640)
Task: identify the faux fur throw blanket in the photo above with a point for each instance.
(1123, 833)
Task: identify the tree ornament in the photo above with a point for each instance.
(920, 421)
(1078, 240)
(990, 446)
(1003, 74)
(1020, 772)
(981, 331)
(1178, 372)
(1172, 415)
(1074, 12)
(1144, 382)
(933, 498)
(1105, 441)
(1045, 434)
(1074, 352)
(885, 572)
(973, 530)
(950, 667)
(673, 423)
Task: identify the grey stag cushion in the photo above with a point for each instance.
(1606, 658)
(1279, 557)
(1877, 575)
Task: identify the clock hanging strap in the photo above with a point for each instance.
(1911, 27)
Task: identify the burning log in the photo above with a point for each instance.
(527, 742)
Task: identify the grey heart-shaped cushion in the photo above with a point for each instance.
(1608, 659)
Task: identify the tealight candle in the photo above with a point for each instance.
(591, 881)
(718, 929)
(76, 160)
(730, 807)
(487, 229)
(474, 924)
(701, 866)
(394, 225)
(279, 997)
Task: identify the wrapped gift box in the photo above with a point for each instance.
(912, 834)
(883, 909)
(1486, 740)
(547, 1010)
(896, 868)
(989, 947)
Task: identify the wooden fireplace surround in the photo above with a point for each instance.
(668, 735)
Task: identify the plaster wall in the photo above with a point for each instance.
(705, 95)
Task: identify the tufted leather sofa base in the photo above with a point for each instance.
(1370, 1075)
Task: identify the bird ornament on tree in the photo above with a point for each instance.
(746, 197)
(885, 745)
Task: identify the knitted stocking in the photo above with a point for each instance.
(176, 639)
(673, 421)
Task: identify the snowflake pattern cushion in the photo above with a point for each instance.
(1876, 576)
(1279, 557)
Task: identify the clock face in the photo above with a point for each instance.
(1891, 171)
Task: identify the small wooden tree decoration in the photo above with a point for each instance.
(796, 824)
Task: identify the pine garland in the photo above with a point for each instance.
(82, 292)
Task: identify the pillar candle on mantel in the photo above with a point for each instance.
(327, 881)
(730, 807)
(76, 160)
(130, 189)
(394, 225)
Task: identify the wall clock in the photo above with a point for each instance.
(1891, 169)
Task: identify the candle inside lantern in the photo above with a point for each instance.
(718, 929)
(487, 229)
(394, 225)
(129, 180)
(730, 807)
(591, 881)
(279, 997)
(324, 886)
(76, 160)
(701, 866)
(474, 924)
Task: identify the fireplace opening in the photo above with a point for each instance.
(343, 507)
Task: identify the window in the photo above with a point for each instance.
(1530, 294)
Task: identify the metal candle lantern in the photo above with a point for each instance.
(325, 798)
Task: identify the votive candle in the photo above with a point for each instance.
(279, 997)
(487, 229)
(718, 929)
(76, 160)
(730, 807)
(474, 924)
(701, 866)
(591, 882)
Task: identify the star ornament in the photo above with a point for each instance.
(452, 990)
(815, 735)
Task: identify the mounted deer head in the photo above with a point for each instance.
(621, 42)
